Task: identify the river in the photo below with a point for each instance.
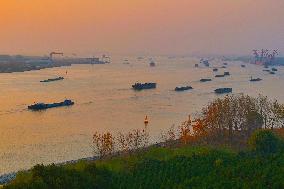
(104, 101)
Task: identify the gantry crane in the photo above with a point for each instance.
(54, 53)
(264, 57)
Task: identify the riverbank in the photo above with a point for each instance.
(278, 61)
(182, 166)
(12, 66)
(211, 137)
(159, 150)
(8, 177)
(23, 67)
(203, 127)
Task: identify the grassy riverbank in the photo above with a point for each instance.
(186, 166)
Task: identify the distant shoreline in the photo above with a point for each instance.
(279, 61)
(23, 66)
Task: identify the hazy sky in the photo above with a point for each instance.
(141, 26)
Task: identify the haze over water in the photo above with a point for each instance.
(141, 26)
(104, 101)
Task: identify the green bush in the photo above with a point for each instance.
(177, 168)
(264, 142)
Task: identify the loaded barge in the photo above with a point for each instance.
(183, 88)
(43, 106)
(223, 90)
(53, 79)
(205, 80)
(141, 86)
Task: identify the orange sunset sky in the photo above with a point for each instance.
(141, 26)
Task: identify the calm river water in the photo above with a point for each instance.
(104, 101)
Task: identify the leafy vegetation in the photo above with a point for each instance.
(227, 121)
(160, 167)
(265, 142)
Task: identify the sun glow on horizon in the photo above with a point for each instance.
(161, 26)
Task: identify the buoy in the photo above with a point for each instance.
(146, 121)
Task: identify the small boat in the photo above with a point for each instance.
(141, 86)
(126, 61)
(274, 69)
(53, 79)
(43, 106)
(255, 79)
(215, 69)
(105, 59)
(226, 73)
(205, 80)
(152, 64)
(205, 62)
(223, 90)
(271, 72)
(243, 66)
(183, 88)
(220, 75)
(265, 70)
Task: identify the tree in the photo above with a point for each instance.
(264, 142)
(103, 144)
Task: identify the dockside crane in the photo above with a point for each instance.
(54, 53)
(264, 57)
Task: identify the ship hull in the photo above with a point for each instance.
(223, 90)
(43, 106)
(141, 86)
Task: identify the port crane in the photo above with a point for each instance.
(264, 57)
(54, 53)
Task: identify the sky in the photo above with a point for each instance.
(172, 27)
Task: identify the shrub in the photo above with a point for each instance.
(103, 144)
(194, 167)
(264, 142)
